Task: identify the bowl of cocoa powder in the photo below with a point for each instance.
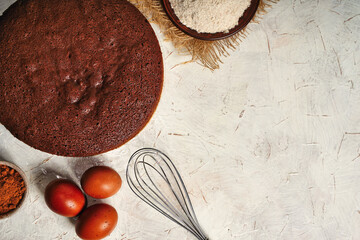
(13, 188)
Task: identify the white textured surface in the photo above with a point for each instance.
(268, 146)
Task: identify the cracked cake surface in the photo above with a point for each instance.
(77, 77)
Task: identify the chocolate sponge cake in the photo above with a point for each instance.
(77, 77)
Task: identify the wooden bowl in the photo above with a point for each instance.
(22, 174)
(243, 21)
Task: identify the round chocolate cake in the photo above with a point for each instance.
(77, 77)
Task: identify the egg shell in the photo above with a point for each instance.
(96, 222)
(101, 182)
(64, 197)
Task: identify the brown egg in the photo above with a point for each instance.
(96, 222)
(64, 197)
(100, 182)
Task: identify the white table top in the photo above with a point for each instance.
(268, 146)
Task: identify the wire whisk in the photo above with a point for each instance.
(153, 177)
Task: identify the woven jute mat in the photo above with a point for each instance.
(206, 53)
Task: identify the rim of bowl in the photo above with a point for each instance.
(22, 174)
(244, 20)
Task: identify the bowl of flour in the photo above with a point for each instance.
(210, 19)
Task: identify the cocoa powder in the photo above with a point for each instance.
(12, 188)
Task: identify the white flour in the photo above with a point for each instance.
(209, 16)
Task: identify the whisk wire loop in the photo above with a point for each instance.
(147, 200)
(166, 203)
(185, 207)
(153, 177)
